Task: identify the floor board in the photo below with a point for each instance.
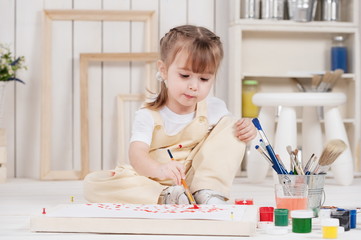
(22, 198)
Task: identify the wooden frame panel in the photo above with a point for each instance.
(148, 17)
(120, 108)
(84, 106)
(3, 155)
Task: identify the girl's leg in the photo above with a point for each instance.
(217, 160)
(123, 185)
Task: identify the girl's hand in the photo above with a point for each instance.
(245, 130)
(172, 170)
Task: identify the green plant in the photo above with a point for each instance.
(9, 65)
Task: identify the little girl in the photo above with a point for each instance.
(207, 143)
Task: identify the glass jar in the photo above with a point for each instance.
(339, 54)
(331, 10)
(250, 87)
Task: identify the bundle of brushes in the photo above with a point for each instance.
(330, 153)
(321, 82)
(333, 149)
(267, 151)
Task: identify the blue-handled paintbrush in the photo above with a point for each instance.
(276, 165)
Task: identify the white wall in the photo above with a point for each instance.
(21, 27)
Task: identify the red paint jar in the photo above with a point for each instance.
(243, 201)
(266, 214)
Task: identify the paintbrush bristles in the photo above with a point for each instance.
(333, 149)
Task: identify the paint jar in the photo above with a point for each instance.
(324, 213)
(301, 221)
(243, 201)
(344, 217)
(330, 228)
(353, 218)
(266, 214)
(339, 54)
(249, 109)
(281, 217)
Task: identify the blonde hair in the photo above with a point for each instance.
(204, 48)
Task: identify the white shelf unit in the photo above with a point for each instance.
(274, 52)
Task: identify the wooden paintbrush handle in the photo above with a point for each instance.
(188, 192)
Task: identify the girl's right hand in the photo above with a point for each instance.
(172, 170)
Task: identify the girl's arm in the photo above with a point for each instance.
(144, 165)
(245, 130)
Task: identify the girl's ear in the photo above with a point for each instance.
(162, 69)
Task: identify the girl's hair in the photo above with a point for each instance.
(204, 49)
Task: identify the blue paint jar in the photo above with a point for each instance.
(339, 54)
(353, 218)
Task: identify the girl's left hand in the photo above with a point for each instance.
(245, 130)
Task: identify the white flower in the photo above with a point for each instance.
(10, 70)
(9, 65)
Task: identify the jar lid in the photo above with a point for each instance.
(250, 82)
(281, 211)
(302, 214)
(324, 213)
(266, 209)
(330, 222)
(338, 38)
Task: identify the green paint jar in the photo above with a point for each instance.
(281, 217)
(301, 221)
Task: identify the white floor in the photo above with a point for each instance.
(22, 198)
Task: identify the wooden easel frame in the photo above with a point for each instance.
(84, 106)
(120, 114)
(148, 17)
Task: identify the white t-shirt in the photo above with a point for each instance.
(143, 123)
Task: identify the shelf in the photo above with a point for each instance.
(345, 121)
(292, 26)
(291, 75)
(276, 52)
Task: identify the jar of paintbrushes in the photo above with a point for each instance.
(315, 196)
(310, 173)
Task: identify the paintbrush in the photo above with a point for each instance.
(316, 80)
(325, 82)
(299, 162)
(264, 154)
(186, 188)
(337, 74)
(295, 164)
(276, 165)
(312, 166)
(333, 149)
(309, 164)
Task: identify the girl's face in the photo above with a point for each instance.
(185, 88)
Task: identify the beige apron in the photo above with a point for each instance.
(211, 161)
